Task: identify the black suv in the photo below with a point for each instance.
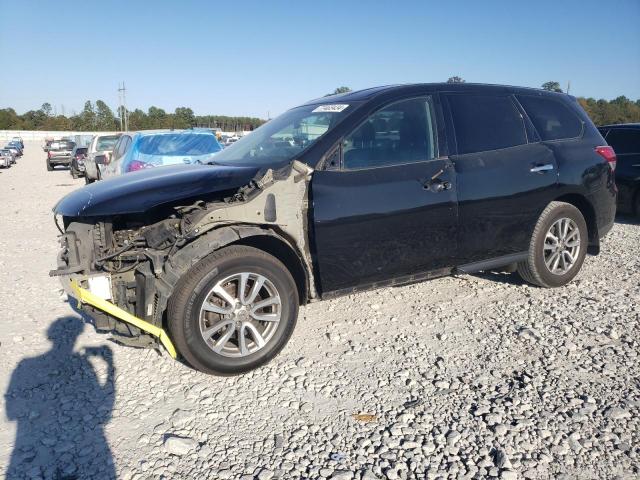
(380, 187)
(625, 140)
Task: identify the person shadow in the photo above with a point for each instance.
(61, 407)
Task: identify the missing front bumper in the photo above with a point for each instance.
(83, 295)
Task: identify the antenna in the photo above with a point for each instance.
(122, 108)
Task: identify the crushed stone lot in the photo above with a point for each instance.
(469, 377)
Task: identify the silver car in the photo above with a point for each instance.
(6, 159)
(8, 153)
(98, 155)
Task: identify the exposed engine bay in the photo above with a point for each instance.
(134, 261)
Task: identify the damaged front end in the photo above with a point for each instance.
(123, 268)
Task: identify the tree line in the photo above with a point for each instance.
(99, 117)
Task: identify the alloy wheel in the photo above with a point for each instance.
(240, 314)
(562, 246)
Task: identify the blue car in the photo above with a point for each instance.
(156, 148)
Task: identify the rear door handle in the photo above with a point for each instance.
(541, 168)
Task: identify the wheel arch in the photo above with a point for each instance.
(260, 237)
(588, 212)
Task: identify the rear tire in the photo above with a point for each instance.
(558, 247)
(49, 166)
(74, 173)
(240, 342)
(88, 180)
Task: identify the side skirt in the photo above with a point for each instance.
(394, 282)
(492, 263)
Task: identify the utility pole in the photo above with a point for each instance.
(122, 108)
(568, 86)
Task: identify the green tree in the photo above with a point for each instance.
(552, 86)
(46, 108)
(455, 79)
(138, 120)
(9, 119)
(183, 118)
(105, 120)
(157, 118)
(86, 120)
(339, 90)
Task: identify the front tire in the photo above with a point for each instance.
(233, 311)
(558, 247)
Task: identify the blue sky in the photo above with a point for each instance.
(261, 57)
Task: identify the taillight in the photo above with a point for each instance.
(138, 165)
(49, 154)
(608, 154)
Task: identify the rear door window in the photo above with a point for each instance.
(552, 118)
(485, 122)
(624, 140)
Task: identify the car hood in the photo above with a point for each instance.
(137, 192)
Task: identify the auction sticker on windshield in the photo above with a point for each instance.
(335, 107)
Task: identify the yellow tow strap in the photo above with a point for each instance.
(85, 296)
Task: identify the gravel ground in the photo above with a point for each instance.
(470, 377)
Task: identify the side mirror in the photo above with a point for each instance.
(101, 160)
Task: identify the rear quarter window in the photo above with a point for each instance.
(485, 122)
(552, 118)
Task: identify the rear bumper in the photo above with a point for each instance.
(604, 204)
(60, 160)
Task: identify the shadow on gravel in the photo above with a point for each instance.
(61, 406)
(627, 219)
(501, 277)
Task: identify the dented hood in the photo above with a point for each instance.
(138, 192)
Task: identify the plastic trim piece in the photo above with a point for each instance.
(85, 296)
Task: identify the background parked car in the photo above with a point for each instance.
(14, 150)
(147, 149)
(17, 146)
(98, 154)
(9, 153)
(19, 141)
(76, 167)
(625, 140)
(59, 153)
(6, 159)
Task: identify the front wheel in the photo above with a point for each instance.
(233, 311)
(558, 247)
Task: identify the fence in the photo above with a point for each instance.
(40, 135)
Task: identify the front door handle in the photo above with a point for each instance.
(541, 168)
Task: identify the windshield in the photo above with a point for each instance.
(62, 145)
(284, 137)
(172, 144)
(106, 143)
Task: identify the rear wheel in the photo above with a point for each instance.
(49, 166)
(558, 247)
(74, 172)
(233, 311)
